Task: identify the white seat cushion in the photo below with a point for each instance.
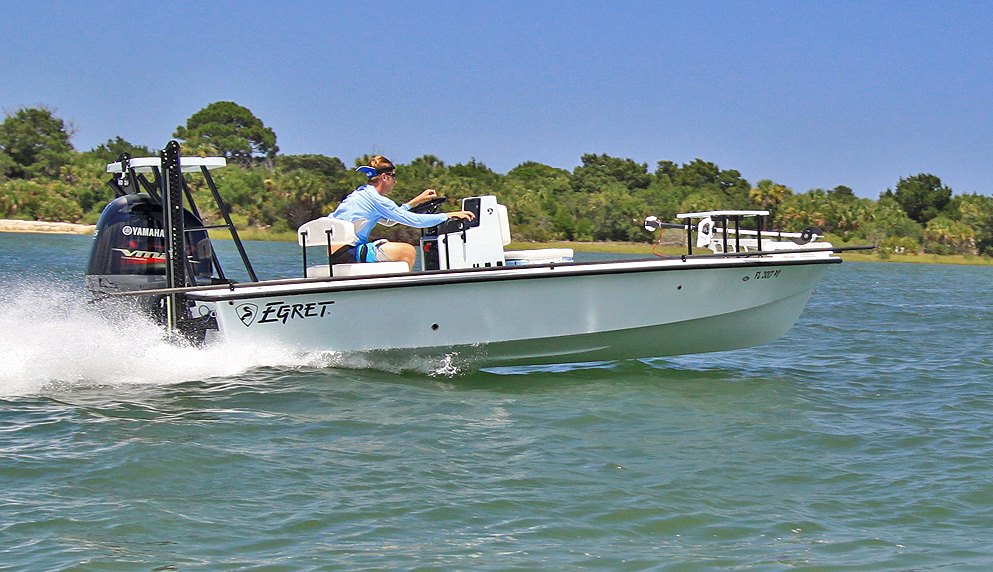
(315, 232)
(538, 256)
(358, 269)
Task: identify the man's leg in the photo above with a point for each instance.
(400, 251)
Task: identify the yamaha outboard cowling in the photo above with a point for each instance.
(151, 246)
(129, 249)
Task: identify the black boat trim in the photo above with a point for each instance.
(474, 275)
(232, 286)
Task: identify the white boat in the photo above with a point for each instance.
(470, 297)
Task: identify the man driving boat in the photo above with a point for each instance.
(368, 205)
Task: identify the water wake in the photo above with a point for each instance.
(53, 338)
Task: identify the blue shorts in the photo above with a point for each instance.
(362, 252)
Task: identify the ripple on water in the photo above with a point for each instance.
(858, 441)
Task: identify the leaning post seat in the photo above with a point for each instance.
(330, 232)
(357, 269)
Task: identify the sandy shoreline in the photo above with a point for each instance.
(9, 225)
(32, 226)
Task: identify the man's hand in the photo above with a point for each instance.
(468, 215)
(424, 197)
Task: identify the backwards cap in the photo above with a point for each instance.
(371, 172)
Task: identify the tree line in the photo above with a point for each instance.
(604, 198)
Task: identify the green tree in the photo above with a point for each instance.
(724, 188)
(30, 199)
(7, 165)
(835, 212)
(414, 177)
(703, 200)
(297, 196)
(328, 167)
(842, 192)
(460, 181)
(616, 214)
(532, 192)
(942, 235)
(662, 197)
(887, 219)
(540, 177)
(56, 204)
(86, 184)
(590, 210)
(598, 171)
(427, 164)
(486, 179)
(768, 195)
(228, 129)
(243, 191)
(921, 196)
(336, 178)
(976, 212)
(12, 199)
(35, 144)
(109, 152)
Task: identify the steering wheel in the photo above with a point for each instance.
(429, 206)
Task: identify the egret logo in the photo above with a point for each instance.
(282, 312)
(247, 313)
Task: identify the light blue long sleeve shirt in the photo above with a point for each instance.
(365, 207)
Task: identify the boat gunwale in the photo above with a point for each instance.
(272, 288)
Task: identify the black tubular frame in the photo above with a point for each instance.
(168, 189)
(303, 248)
(329, 232)
(723, 220)
(175, 235)
(221, 206)
(196, 213)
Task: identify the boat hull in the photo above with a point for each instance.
(556, 314)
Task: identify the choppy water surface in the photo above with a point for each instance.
(860, 441)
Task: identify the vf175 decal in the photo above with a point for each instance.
(141, 256)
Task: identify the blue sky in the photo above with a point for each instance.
(808, 94)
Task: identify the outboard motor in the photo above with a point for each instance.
(129, 250)
(152, 238)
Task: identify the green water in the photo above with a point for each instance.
(861, 441)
